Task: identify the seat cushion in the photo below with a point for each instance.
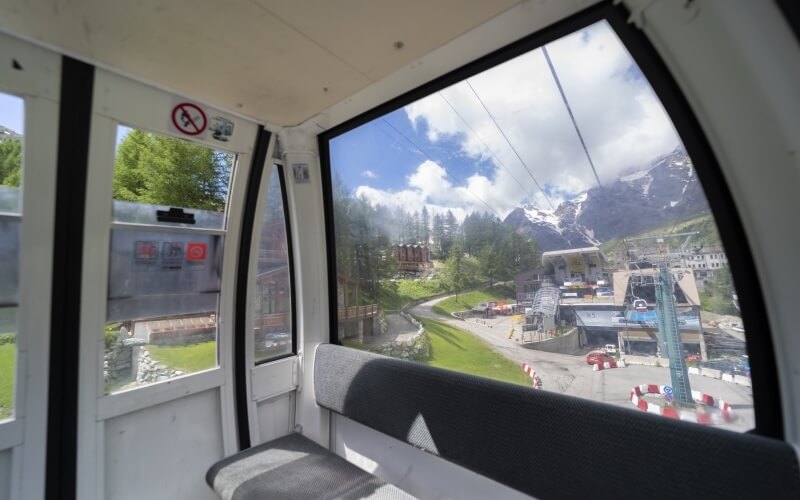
(295, 467)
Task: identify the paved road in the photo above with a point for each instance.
(571, 375)
(398, 329)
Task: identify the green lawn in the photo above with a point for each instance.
(468, 300)
(186, 358)
(461, 351)
(8, 360)
(395, 295)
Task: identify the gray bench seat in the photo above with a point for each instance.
(295, 467)
(540, 443)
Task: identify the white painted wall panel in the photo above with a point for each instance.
(164, 451)
(275, 417)
(5, 474)
(410, 469)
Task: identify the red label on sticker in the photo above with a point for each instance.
(195, 251)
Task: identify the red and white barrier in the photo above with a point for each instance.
(608, 364)
(537, 382)
(690, 415)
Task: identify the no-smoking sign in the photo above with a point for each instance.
(189, 119)
(196, 252)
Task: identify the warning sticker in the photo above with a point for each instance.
(221, 128)
(146, 251)
(195, 252)
(189, 119)
(172, 254)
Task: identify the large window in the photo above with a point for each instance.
(11, 161)
(541, 223)
(167, 234)
(273, 332)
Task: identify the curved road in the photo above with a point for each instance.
(571, 375)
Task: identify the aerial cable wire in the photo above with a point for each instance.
(499, 162)
(404, 136)
(511, 145)
(571, 116)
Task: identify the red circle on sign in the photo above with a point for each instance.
(196, 251)
(189, 118)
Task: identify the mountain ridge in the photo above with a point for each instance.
(667, 190)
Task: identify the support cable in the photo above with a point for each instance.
(571, 116)
(511, 145)
(443, 167)
(499, 162)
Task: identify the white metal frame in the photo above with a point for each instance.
(118, 100)
(39, 84)
(738, 65)
(271, 378)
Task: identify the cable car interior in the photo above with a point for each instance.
(241, 244)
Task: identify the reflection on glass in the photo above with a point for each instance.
(272, 308)
(164, 286)
(11, 130)
(552, 203)
(8, 355)
(155, 170)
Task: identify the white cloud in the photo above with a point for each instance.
(369, 174)
(428, 187)
(621, 120)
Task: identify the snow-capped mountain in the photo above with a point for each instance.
(7, 133)
(666, 191)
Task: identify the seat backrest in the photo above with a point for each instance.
(545, 444)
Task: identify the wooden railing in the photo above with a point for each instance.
(358, 312)
(272, 320)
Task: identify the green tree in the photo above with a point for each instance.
(437, 234)
(10, 162)
(161, 170)
(425, 226)
(718, 296)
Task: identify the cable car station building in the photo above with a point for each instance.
(614, 319)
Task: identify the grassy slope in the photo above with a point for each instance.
(458, 350)
(704, 224)
(394, 296)
(469, 299)
(7, 367)
(189, 358)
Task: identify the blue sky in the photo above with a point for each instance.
(465, 164)
(12, 113)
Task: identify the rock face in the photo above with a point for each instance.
(7, 133)
(664, 192)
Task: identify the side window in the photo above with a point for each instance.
(168, 227)
(11, 162)
(541, 223)
(272, 329)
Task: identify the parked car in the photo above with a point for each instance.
(596, 357)
(277, 340)
(482, 307)
(604, 292)
(610, 349)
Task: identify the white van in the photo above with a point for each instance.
(481, 308)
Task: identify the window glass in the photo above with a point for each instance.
(11, 136)
(161, 172)
(541, 223)
(163, 288)
(273, 299)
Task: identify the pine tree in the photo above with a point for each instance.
(424, 223)
(162, 170)
(10, 162)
